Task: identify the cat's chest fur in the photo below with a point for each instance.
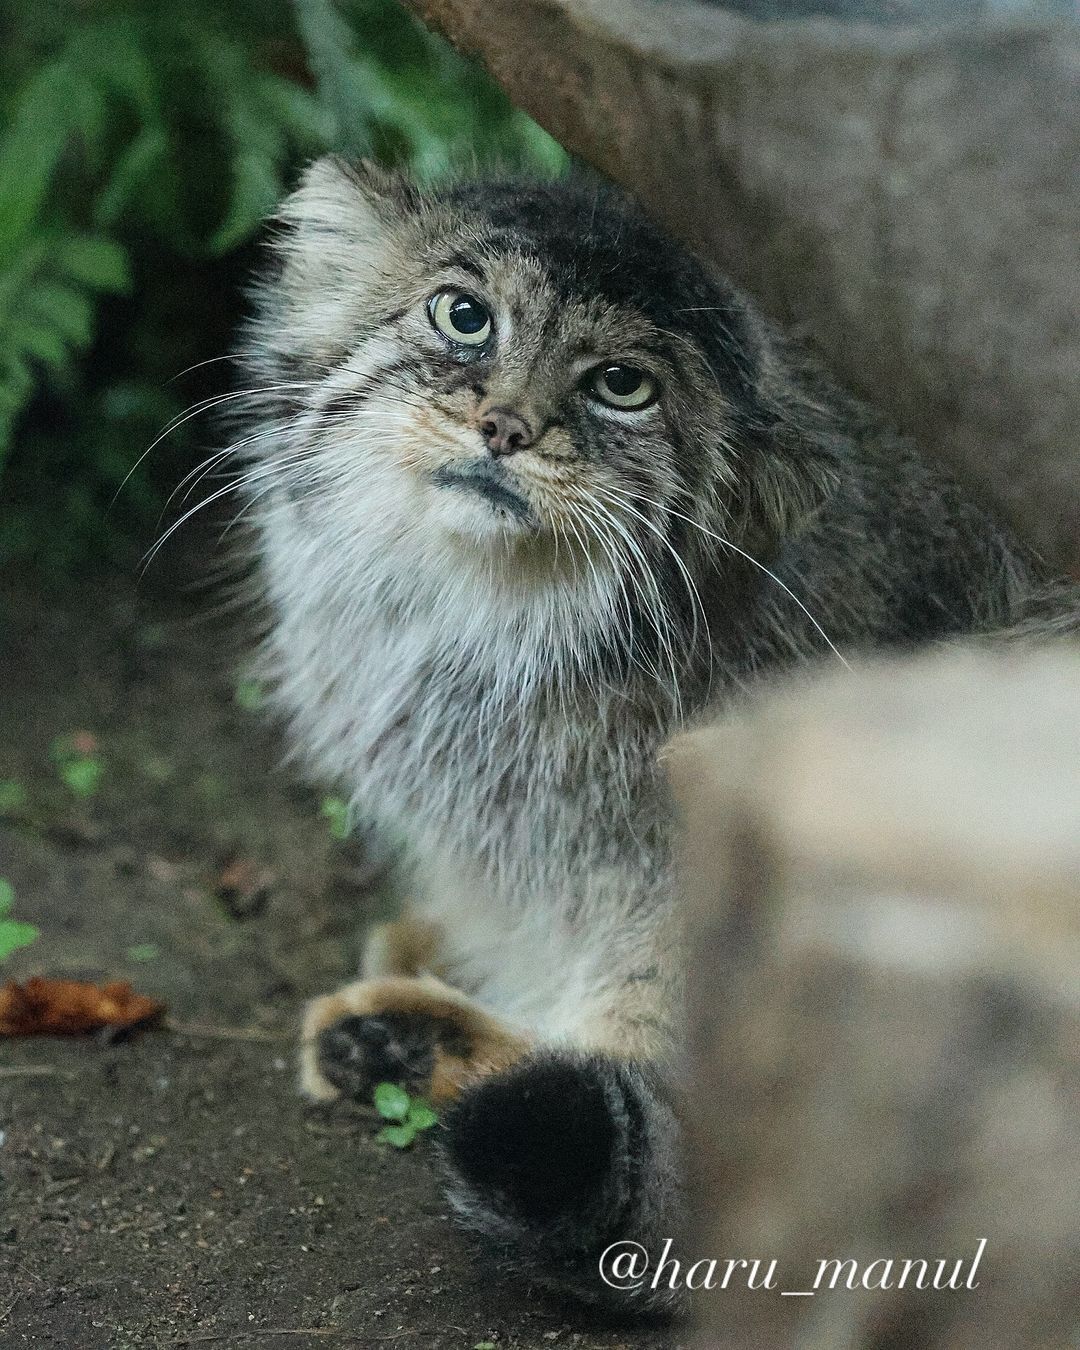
(444, 742)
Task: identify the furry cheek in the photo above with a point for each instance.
(556, 444)
(423, 443)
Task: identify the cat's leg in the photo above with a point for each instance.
(405, 946)
(576, 1146)
(401, 1023)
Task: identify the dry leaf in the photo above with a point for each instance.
(43, 1007)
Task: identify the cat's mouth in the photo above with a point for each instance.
(486, 479)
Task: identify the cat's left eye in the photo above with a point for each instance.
(460, 317)
(622, 386)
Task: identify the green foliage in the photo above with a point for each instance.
(249, 695)
(143, 951)
(336, 812)
(78, 763)
(13, 934)
(407, 1115)
(391, 1102)
(141, 146)
(13, 796)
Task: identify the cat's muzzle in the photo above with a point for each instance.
(488, 479)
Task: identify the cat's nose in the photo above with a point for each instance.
(504, 431)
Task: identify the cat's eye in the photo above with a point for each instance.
(622, 386)
(460, 317)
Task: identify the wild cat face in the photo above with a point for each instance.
(529, 372)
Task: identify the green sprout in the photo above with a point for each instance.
(407, 1115)
(144, 951)
(82, 775)
(77, 762)
(336, 811)
(249, 695)
(13, 934)
(12, 796)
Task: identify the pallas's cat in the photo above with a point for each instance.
(532, 489)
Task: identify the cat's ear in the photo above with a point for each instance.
(343, 227)
(783, 453)
(791, 463)
(338, 201)
(787, 476)
(341, 217)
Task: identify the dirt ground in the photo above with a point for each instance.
(170, 1189)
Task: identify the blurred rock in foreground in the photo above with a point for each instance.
(884, 875)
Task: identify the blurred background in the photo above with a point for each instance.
(142, 147)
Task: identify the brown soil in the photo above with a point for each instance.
(170, 1189)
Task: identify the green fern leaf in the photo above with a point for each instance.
(139, 162)
(98, 263)
(330, 44)
(42, 343)
(304, 119)
(67, 309)
(256, 189)
(30, 152)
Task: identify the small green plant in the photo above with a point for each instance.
(144, 951)
(13, 934)
(406, 1115)
(78, 763)
(82, 775)
(12, 796)
(336, 812)
(249, 695)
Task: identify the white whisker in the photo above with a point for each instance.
(727, 543)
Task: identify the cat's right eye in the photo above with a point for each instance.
(460, 317)
(622, 386)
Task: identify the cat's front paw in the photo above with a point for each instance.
(359, 1051)
(418, 1032)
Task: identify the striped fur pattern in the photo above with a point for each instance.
(490, 650)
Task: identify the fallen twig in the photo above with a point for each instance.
(235, 1333)
(33, 1071)
(224, 1033)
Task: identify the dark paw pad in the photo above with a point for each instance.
(357, 1052)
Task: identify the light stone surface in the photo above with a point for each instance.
(885, 936)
